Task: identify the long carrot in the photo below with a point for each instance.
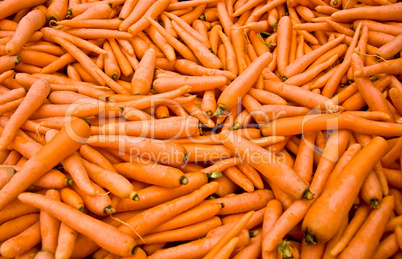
(375, 223)
(15, 226)
(72, 135)
(171, 209)
(377, 13)
(34, 98)
(49, 226)
(105, 235)
(315, 231)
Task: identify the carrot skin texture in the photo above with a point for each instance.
(337, 199)
(72, 136)
(106, 235)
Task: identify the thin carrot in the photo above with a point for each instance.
(375, 223)
(151, 173)
(49, 226)
(35, 167)
(229, 235)
(190, 232)
(106, 236)
(392, 66)
(112, 69)
(302, 63)
(34, 98)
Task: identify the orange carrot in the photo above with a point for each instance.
(316, 232)
(52, 152)
(22, 242)
(106, 236)
(31, 22)
(375, 223)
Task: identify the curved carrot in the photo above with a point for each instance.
(230, 54)
(31, 22)
(97, 11)
(95, 157)
(106, 236)
(361, 165)
(375, 223)
(393, 66)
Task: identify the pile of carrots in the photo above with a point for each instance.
(200, 129)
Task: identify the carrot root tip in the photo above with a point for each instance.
(109, 210)
(284, 250)
(69, 181)
(214, 175)
(236, 126)
(220, 112)
(253, 233)
(134, 196)
(374, 203)
(308, 195)
(183, 180)
(310, 238)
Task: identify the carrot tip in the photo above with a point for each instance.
(134, 249)
(183, 180)
(253, 233)
(109, 210)
(214, 175)
(220, 112)
(69, 181)
(284, 250)
(308, 195)
(134, 196)
(236, 126)
(87, 121)
(310, 238)
(374, 203)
